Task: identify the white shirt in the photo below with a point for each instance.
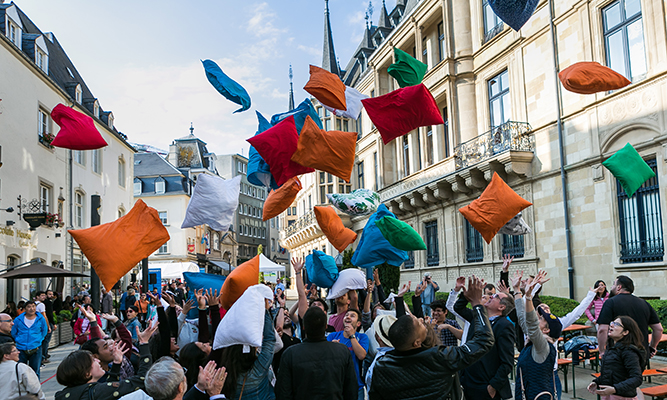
(41, 308)
(27, 381)
(29, 322)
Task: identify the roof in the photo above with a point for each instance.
(152, 164)
(329, 61)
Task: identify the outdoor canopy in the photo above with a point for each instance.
(39, 271)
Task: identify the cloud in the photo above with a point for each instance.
(310, 50)
(261, 22)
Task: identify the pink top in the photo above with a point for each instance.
(336, 321)
(597, 307)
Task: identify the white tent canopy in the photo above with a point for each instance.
(172, 270)
(266, 265)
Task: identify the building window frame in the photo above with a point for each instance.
(441, 42)
(43, 126)
(360, 175)
(376, 171)
(79, 157)
(622, 27)
(137, 187)
(513, 246)
(164, 217)
(79, 215)
(432, 252)
(164, 249)
(96, 161)
(160, 185)
(501, 97)
(406, 155)
(121, 172)
(490, 18)
(474, 244)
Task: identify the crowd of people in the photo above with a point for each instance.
(364, 345)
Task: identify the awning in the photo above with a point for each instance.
(39, 271)
(266, 265)
(225, 267)
(172, 270)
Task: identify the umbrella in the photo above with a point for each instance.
(39, 271)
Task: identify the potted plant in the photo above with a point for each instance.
(46, 138)
(53, 219)
(66, 333)
(55, 333)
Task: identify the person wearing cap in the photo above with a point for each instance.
(381, 327)
(535, 375)
(428, 287)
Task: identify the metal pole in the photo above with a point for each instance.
(561, 152)
(95, 203)
(144, 275)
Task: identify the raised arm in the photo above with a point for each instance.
(214, 308)
(460, 304)
(265, 357)
(528, 317)
(366, 320)
(123, 334)
(579, 310)
(297, 263)
(398, 300)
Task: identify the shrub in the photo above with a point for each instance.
(438, 295)
(64, 315)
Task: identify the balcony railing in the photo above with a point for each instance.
(493, 32)
(508, 136)
(301, 223)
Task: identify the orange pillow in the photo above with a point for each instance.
(278, 200)
(591, 77)
(327, 88)
(331, 152)
(113, 249)
(243, 276)
(332, 226)
(494, 208)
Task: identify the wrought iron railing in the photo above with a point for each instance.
(513, 246)
(474, 244)
(301, 223)
(493, 32)
(508, 136)
(410, 262)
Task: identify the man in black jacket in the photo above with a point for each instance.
(316, 369)
(488, 378)
(411, 371)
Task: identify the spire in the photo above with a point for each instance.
(291, 89)
(384, 17)
(329, 55)
(192, 129)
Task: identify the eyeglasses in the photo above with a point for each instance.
(614, 323)
(6, 320)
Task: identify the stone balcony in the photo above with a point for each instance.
(507, 150)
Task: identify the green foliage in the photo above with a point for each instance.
(660, 307)
(390, 277)
(347, 259)
(438, 295)
(64, 315)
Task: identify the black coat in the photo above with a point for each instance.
(315, 370)
(495, 366)
(430, 373)
(621, 368)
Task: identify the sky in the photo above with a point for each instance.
(141, 59)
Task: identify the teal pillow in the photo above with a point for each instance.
(399, 234)
(629, 168)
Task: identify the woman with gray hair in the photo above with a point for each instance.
(16, 379)
(166, 381)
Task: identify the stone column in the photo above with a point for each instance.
(464, 112)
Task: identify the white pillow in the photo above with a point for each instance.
(214, 202)
(348, 279)
(515, 226)
(244, 321)
(353, 101)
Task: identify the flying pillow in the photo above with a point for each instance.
(514, 13)
(353, 99)
(244, 322)
(591, 77)
(300, 113)
(348, 279)
(398, 112)
(373, 249)
(278, 200)
(494, 208)
(332, 227)
(226, 86)
(200, 280)
(114, 248)
(321, 269)
(515, 227)
(359, 202)
(259, 172)
(276, 146)
(327, 88)
(629, 168)
(331, 152)
(214, 202)
(407, 70)
(399, 234)
(77, 130)
(241, 278)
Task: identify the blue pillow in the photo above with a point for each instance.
(259, 173)
(514, 13)
(300, 113)
(226, 86)
(373, 248)
(200, 280)
(321, 269)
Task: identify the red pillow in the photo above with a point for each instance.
(276, 146)
(327, 88)
(331, 151)
(241, 278)
(278, 200)
(591, 77)
(399, 112)
(77, 130)
(494, 208)
(332, 227)
(113, 249)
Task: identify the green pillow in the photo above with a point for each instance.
(407, 70)
(629, 168)
(399, 234)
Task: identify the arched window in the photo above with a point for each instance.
(216, 241)
(78, 209)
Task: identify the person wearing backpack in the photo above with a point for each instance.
(622, 364)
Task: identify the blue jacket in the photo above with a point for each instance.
(29, 338)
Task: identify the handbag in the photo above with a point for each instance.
(30, 353)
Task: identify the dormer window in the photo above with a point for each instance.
(137, 186)
(41, 54)
(96, 109)
(160, 186)
(110, 123)
(78, 94)
(40, 59)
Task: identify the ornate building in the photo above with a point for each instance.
(505, 112)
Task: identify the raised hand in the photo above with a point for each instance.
(539, 280)
(419, 289)
(507, 261)
(90, 315)
(110, 317)
(460, 283)
(144, 337)
(201, 299)
(217, 381)
(370, 286)
(212, 297)
(474, 291)
(205, 377)
(502, 288)
(376, 277)
(153, 298)
(297, 264)
(404, 289)
(118, 352)
(516, 281)
(170, 299)
(268, 303)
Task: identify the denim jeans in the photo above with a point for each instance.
(426, 309)
(559, 387)
(34, 361)
(45, 344)
(361, 395)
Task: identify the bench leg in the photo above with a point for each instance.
(574, 384)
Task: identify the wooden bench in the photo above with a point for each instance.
(648, 373)
(563, 364)
(656, 392)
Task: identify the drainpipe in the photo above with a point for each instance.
(71, 221)
(561, 152)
